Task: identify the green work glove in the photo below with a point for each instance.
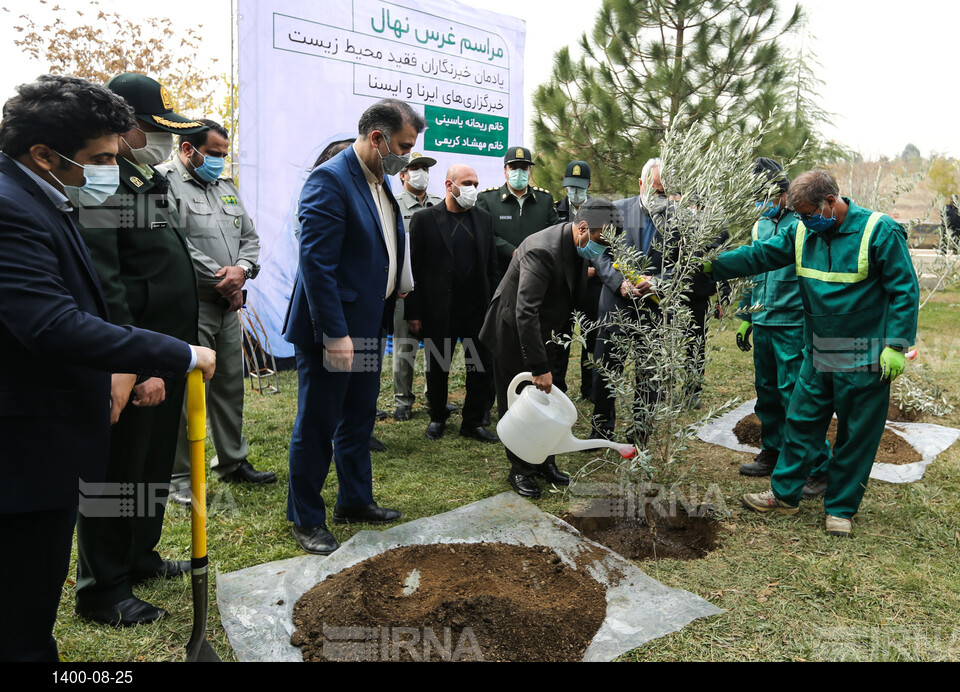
(891, 364)
(743, 336)
(707, 266)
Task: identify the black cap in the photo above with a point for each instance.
(599, 212)
(152, 103)
(772, 172)
(518, 154)
(577, 174)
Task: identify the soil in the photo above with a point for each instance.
(468, 602)
(893, 448)
(666, 531)
(900, 415)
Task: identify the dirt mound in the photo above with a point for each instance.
(467, 602)
(893, 448)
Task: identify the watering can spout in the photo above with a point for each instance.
(574, 444)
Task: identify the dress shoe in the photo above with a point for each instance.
(371, 514)
(245, 473)
(403, 413)
(317, 540)
(376, 445)
(452, 408)
(551, 474)
(435, 430)
(381, 414)
(762, 464)
(181, 497)
(524, 485)
(479, 433)
(169, 569)
(127, 613)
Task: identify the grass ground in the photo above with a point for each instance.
(789, 591)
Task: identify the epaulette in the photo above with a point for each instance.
(491, 188)
(540, 189)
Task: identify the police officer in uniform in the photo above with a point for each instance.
(518, 208)
(225, 250)
(412, 198)
(144, 266)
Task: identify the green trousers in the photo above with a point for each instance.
(860, 400)
(777, 357)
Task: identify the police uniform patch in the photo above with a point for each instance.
(166, 98)
(519, 153)
(576, 170)
(136, 181)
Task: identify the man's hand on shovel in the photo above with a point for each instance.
(206, 361)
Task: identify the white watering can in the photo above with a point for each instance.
(537, 425)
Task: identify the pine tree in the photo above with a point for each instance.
(649, 65)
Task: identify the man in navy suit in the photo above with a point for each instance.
(58, 139)
(351, 269)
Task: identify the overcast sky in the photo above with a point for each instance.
(888, 66)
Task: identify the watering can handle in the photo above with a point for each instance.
(514, 383)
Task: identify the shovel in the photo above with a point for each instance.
(198, 648)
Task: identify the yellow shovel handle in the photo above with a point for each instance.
(196, 434)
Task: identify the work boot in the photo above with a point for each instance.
(838, 526)
(762, 464)
(768, 502)
(816, 486)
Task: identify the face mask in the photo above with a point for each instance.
(419, 179)
(468, 196)
(817, 223)
(519, 179)
(99, 183)
(158, 148)
(768, 210)
(657, 203)
(577, 195)
(393, 163)
(591, 251)
(210, 169)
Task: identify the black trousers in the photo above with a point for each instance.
(439, 351)
(37, 547)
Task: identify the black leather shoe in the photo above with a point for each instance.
(181, 497)
(169, 569)
(816, 486)
(371, 514)
(403, 413)
(317, 540)
(245, 473)
(762, 464)
(381, 414)
(376, 445)
(479, 433)
(435, 430)
(126, 613)
(452, 408)
(524, 485)
(549, 472)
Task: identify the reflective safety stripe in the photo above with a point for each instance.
(755, 232)
(863, 257)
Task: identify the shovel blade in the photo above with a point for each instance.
(201, 652)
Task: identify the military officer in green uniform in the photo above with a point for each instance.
(777, 328)
(518, 208)
(225, 248)
(144, 266)
(860, 298)
(412, 198)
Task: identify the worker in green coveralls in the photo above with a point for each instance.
(777, 327)
(861, 299)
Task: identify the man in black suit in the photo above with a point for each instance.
(545, 281)
(454, 258)
(59, 142)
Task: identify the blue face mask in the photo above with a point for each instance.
(99, 182)
(817, 223)
(519, 179)
(211, 168)
(768, 209)
(591, 251)
(577, 195)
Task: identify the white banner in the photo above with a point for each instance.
(309, 69)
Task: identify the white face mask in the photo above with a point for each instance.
(419, 179)
(158, 148)
(468, 195)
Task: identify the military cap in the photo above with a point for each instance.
(577, 174)
(418, 158)
(518, 155)
(771, 172)
(152, 103)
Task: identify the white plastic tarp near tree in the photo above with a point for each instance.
(309, 69)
